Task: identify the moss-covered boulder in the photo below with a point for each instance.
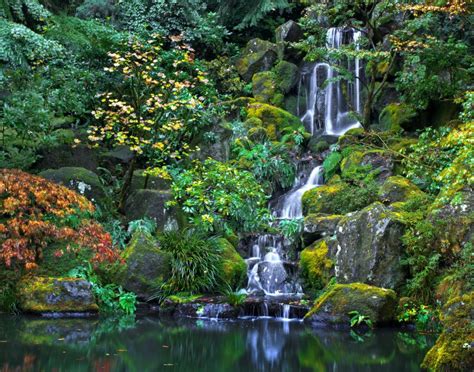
(265, 88)
(396, 116)
(152, 204)
(233, 266)
(56, 295)
(141, 180)
(333, 307)
(259, 55)
(369, 248)
(276, 121)
(320, 199)
(379, 163)
(316, 267)
(146, 266)
(454, 349)
(81, 180)
(398, 189)
(317, 226)
(286, 75)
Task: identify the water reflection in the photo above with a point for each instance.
(151, 344)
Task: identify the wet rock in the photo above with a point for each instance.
(454, 349)
(288, 32)
(56, 295)
(233, 266)
(141, 181)
(217, 143)
(151, 204)
(119, 156)
(146, 266)
(316, 266)
(81, 180)
(67, 156)
(333, 308)
(258, 56)
(369, 248)
(398, 189)
(317, 226)
(378, 162)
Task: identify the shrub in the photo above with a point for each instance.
(195, 261)
(36, 213)
(219, 197)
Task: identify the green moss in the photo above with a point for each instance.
(398, 189)
(315, 266)
(396, 116)
(331, 164)
(320, 146)
(453, 349)
(233, 266)
(146, 266)
(378, 304)
(276, 121)
(286, 75)
(264, 86)
(319, 199)
(46, 294)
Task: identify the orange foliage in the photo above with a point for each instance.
(34, 213)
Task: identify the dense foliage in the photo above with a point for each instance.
(37, 213)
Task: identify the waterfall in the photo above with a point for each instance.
(326, 105)
(292, 203)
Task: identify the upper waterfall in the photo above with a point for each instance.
(328, 105)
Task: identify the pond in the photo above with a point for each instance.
(154, 344)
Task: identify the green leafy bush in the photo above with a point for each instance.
(112, 298)
(220, 197)
(331, 164)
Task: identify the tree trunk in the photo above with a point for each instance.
(126, 185)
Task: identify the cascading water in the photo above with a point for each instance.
(327, 107)
(292, 202)
(270, 271)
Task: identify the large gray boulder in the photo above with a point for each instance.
(152, 204)
(258, 56)
(288, 32)
(81, 180)
(369, 248)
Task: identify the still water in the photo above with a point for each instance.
(152, 344)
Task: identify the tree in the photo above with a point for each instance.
(157, 108)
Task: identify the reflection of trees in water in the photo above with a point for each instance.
(197, 345)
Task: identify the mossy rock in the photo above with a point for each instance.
(81, 180)
(396, 116)
(286, 76)
(319, 146)
(398, 189)
(56, 295)
(319, 200)
(265, 88)
(146, 266)
(333, 307)
(316, 267)
(370, 248)
(276, 121)
(317, 226)
(234, 268)
(454, 349)
(378, 163)
(259, 55)
(153, 204)
(288, 32)
(140, 181)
